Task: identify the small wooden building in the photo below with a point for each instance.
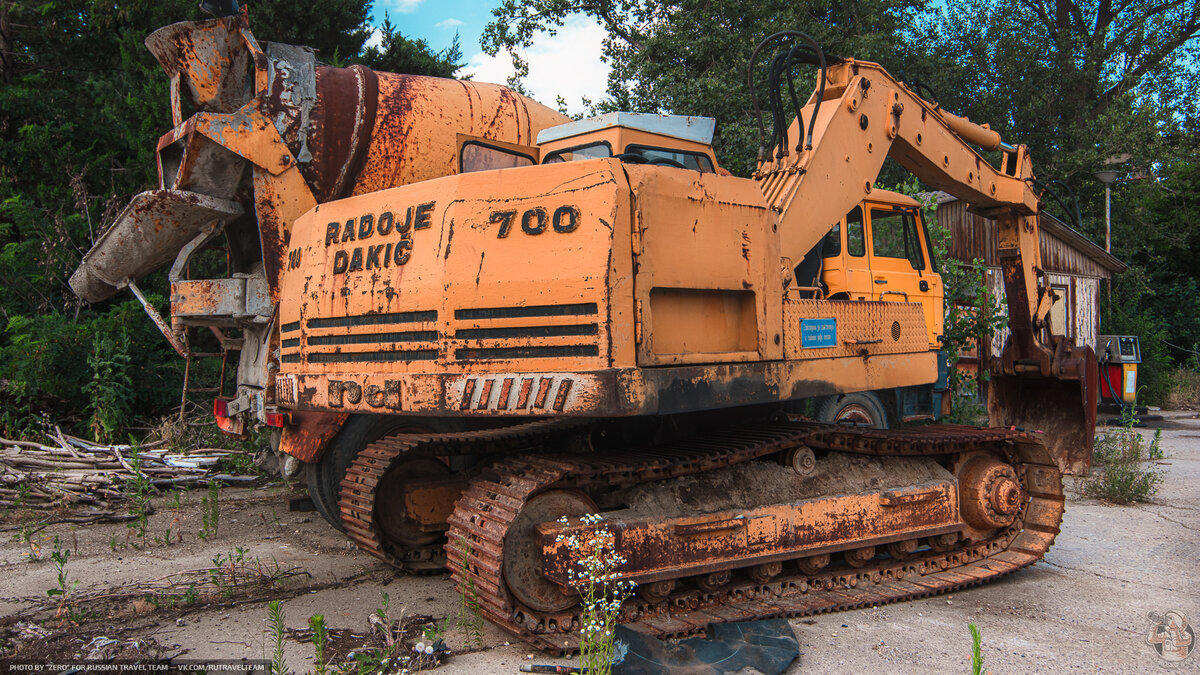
(1077, 269)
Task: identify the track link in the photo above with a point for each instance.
(476, 545)
(356, 501)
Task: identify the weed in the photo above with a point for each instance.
(1156, 451)
(469, 619)
(275, 625)
(138, 488)
(594, 550)
(976, 654)
(176, 499)
(115, 545)
(1119, 476)
(320, 638)
(60, 557)
(210, 510)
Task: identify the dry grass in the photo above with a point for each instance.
(1183, 390)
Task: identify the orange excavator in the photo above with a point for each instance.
(470, 317)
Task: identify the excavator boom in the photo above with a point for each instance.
(856, 118)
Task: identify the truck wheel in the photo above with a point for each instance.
(325, 476)
(864, 409)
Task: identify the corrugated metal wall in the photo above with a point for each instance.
(975, 237)
(1069, 269)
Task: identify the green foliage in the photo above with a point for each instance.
(82, 105)
(1119, 475)
(320, 640)
(1134, 308)
(210, 511)
(398, 54)
(276, 627)
(976, 653)
(689, 57)
(138, 488)
(469, 619)
(973, 314)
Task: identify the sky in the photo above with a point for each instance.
(567, 64)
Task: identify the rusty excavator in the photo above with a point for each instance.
(468, 316)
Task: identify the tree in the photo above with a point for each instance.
(689, 56)
(1077, 80)
(82, 104)
(398, 54)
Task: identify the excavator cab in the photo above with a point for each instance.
(880, 251)
(678, 141)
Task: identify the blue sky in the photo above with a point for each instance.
(566, 64)
(437, 20)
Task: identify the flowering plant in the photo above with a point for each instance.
(602, 592)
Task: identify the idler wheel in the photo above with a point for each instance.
(714, 581)
(859, 556)
(391, 512)
(657, 591)
(990, 493)
(523, 551)
(943, 542)
(802, 460)
(813, 564)
(761, 574)
(902, 550)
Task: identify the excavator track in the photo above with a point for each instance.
(357, 499)
(477, 546)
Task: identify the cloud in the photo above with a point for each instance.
(448, 23)
(375, 39)
(400, 6)
(566, 64)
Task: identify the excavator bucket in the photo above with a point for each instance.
(1059, 411)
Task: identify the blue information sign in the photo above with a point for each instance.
(818, 333)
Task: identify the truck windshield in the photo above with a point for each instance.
(580, 153)
(478, 156)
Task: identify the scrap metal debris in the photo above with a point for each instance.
(768, 646)
(77, 471)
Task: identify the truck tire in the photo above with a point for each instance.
(325, 476)
(864, 408)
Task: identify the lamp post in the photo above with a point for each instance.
(1108, 178)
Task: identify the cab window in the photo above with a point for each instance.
(831, 245)
(478, 156)
(894, 235)
(579, 153)
(856, 241)
(696, 161)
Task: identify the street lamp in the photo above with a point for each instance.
(1108, 178)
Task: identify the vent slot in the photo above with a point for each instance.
(533, 352)
(368, 338)
(373, 319)
(578, 309)
(361, 357)
(526, 332)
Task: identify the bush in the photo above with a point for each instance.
(1118, 473)
(90, 374)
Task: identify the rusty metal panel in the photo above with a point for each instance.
(706, 285)
(862, 328)
(413, 279)
(666, 548)
(309, 432)
(146, 236)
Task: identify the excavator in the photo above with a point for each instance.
(473, 321)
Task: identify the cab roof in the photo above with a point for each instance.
(685, 127)
(889, 197)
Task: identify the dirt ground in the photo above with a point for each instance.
(1083, 608)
